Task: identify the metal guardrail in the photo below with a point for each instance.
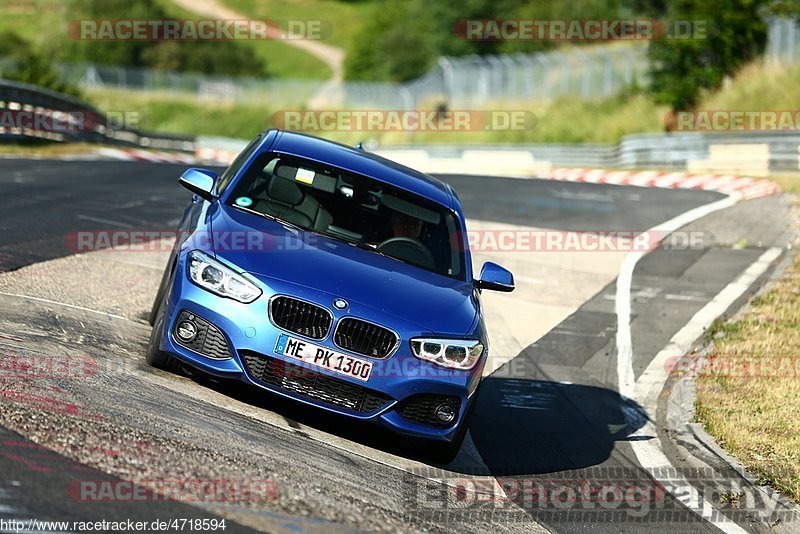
(750, 153)
(53, 116)
(753, 153)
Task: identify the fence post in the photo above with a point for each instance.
(544, 85)
(447, 79)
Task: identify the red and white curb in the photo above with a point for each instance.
(152, 156)
(522, 164)
(204, 156)
(215, 156)
(745, 186)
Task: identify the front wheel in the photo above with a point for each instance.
(156, 357)
(166, 278)
(445, 452)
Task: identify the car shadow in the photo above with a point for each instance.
(522, 426)
(519, 426)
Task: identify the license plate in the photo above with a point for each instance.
(324, 357)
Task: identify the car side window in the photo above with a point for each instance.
(234, 167)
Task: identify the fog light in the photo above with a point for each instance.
(445, 413)
(187, 331)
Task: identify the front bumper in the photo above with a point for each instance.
(397, 381)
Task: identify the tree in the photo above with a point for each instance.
(29, 66)
(722, 40)
(394, 44)
(208, 57)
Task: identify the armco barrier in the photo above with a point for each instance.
(19, 98)
(750, 153)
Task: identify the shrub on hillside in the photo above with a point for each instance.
(681, 69)
(28, 66)
(207, 57)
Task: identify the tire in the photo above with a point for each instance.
(445, 452)
(155, 357)
(166, 278)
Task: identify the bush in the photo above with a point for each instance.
(401, 40)
(393, 45)
(217, 57)
(30, 66)
(682, 68)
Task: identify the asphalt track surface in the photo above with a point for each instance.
(551, 414)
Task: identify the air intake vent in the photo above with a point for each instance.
(364, 338)
(300, 317)
(421, 408)
(307, 383)
(209, 340)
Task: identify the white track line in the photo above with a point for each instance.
(102, 220)
(73, 306)
(623, 296)
(649, 386)
(647, 389)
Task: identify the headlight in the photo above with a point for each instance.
(454, 353)
(211, 275)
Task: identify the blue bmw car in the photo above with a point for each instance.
(332, 276)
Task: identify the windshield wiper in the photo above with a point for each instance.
(364, 246)
(272, 218)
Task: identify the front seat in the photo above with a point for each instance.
(287, 201)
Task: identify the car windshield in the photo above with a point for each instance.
(353, 208)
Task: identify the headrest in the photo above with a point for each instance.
(285, 191)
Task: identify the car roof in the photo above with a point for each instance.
(366, 163)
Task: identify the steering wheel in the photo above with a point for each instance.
(408, 249)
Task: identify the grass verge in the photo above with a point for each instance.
(340, 19)
(560, 121)
(568, 119)
(175, 113)
(281, 59)
(749, 400)
(44, 23)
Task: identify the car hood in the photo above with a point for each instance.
(271, 251)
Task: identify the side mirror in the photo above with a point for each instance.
(199, 181)
(495, 278)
